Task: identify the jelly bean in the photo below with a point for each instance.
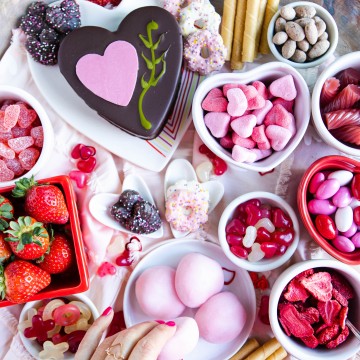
(219, 165)
(342, 198)
(280, 219)
(343, 244)
(239, 251)
(52, 351)
(265, 223)
(234, 239)
(250, 236)
(265, 211)
(203, 171)
(256, 253)
(262, 235)
(317, 207)
(315, 182)
(39, 328)
(352, 231)
(344, 218)
(283, 236)
(235, 226)
(203, 149)
(355, 186)
(269, 249)
(356, 240)
(253, 214)
(342, 176)
(327, 189)
(241, 208)
(325, 226)
(281, 249)
(356, 212)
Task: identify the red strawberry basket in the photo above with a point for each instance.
(76, 279)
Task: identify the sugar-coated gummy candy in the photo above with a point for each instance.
(15, 166)
(6, 152)
(28, 158)
(17, 131)
(37, 133)
(11, 116)
(81, 324)
(21, 143)
(5, 173)
(52, 351)
(26, 116)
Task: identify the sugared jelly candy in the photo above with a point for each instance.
(75, 152)
(327, 189)
(256, 253)
(315, 182)
(81, 324)
(234, 239)
(342, 176)
(50, 307)
(5, 173)
(11, 116)
(87, 151)
(344, 218)
(28, 322)
(15, 166)
(26, 116)
(28, 158)
(269, 249)
(52, 351)
(265, 223)
(253, 214)
(235, 226)
(324, 207)
(6, 152)
(37, 133)
(262, 235)
(250, 236)
(86, 166)
(21, 143)
(203, 171)
(343, 244)
(283, 236)
(355, 186)
(74, 339)
(325, 226)
(106, 268)
(39, 328)
(84, 309)
(342, 198)
(280, 219)
(239, 251)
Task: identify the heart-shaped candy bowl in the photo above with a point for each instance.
(26, 135)
(261, 124)
(258, 231)
(328, 203)
(325, 318)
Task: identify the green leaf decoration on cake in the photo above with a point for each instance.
(151, 64)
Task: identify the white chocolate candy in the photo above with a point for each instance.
(342, 176)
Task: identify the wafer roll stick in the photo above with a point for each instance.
(271, 8)
(236, 63)
(264, 351)
(259, 25)
(227, 25)
(250, 346)
(252, 11)
(279, 354)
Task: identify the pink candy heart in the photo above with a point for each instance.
(79, 177)
(283, 87)
(5, 173)
(244, 125)
(215, 101)
(248, 143)
(278, 115)
(278, 136)
(262, 112)
(241, 154)
(217, 123)
(237, 102)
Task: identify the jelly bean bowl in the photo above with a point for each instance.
(331, 29)
(32, 346)
(295, 346)
(18, 95)
(265, 73)
(351, 60)
(284, 214)
(327, 164)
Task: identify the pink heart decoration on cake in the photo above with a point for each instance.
(111, 76)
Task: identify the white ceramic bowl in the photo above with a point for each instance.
(267, 73)
(346, 350)
(31, 345)
(342, 63)
(264, 264)
(331, 29)
(13, 93)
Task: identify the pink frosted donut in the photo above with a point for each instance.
(204, 40)
(187, 210)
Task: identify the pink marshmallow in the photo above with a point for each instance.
(244, 125)
(256, 102)
(292, 125)
(264, 145)
(261, 88)
(288, 105)
(237, 102)
(261, 113)
(244, 142)
(217, 123)
(249, 91)
(261, 154)
(278, 115)
(227, 87)
(241, 154)
(283, 87)
(260, 138)
(214, 101)
(227, 142)
(278, 136)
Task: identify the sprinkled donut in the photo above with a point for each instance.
(174, 6)
(199, 13)
(202, 40)
(186, 209)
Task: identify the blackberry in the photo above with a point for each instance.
(49, 36)
(37, 8)
(42, 52)
(34, 19)
(65, 17)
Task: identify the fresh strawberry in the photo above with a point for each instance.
(60, 256)
(28, 238)
(21, 280)
(5, 251)
(6, 212)
(44, 202)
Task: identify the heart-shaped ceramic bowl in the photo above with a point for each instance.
(327, 163)
(266, 73)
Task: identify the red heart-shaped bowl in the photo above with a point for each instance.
(327, 163)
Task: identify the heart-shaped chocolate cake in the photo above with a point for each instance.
(130, 76)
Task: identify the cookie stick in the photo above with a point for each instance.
(271, 8)
(236, 63)
(264, 351)
(279, 354)
(250, 346)
(259, 25)
(252, 11)
(227, 25)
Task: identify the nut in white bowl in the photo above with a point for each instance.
(296, 347)
(351, 60)
(265, 73)
(331, 29)
(14, 93)
(32, 346)
(263, 264)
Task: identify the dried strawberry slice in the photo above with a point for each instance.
(292, 320)
(318, 285)
(304, 274)
(337, 296)
(285, 328)
(343, 316)
(320, 328)
(295, 292)
(329, 310)
(328, 334)
(311, 315)
(340, 339)
(310, 341)
(342, 286)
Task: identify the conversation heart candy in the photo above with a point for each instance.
(215, 101)
(284, 88)
(244, 125)
(262, 112)
(242, 154)
(278, 136)
(237, 102)
(217, 123)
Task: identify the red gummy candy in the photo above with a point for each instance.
(125, 259)
(87, 151)
(39, 328)
(15, 166)
(26, 116)
(21, 143)
(264, 310)
(219, 165)
(74, 340)
(75, 152)
(106, 268)
(87, 166)
(253, 213)
(20, 132)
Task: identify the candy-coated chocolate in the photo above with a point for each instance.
(343, 244)
(342, 197)
(325, 207)
(352, 231)
(343, 176)
(325, 226)
(344, 218)
(355, 186)
(315, 182)
(356, 240)
(356, 212)
(327, 189)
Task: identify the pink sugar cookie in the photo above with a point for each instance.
(242, 154)
(262, 112)
(278, 115)
(278, 136)
(217, 123)
(215, 101)
(244, 125)
(244, 142)
(284, 88)
(237, 102)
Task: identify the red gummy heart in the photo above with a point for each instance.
(125, 259)
(87, 166)
(87, 151)
(79, 177)
(106, 268)
(75, 153)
